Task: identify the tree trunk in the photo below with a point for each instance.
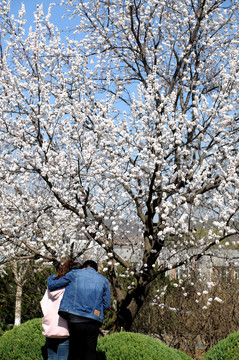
(18, 305)
(129, 307)
(19, 270)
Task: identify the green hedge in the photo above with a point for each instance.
(226, 349)
(23, 342)
(131, 346)
(4, 327)
(26, 342)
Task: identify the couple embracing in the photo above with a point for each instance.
(73, 308)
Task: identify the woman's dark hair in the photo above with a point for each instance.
(67, 266)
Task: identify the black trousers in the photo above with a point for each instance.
(83, 340)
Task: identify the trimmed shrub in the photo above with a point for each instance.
(26, 342)
(226, 349)
(23, 342)
(4, 327)
(132, 346)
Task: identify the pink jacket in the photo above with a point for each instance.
(54, 326)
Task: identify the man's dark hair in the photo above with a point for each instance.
(90, 263)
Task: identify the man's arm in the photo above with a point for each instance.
(54, 284)
(106, 296)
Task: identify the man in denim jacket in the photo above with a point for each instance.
(86, 296)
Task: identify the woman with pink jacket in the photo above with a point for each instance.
(55, 328)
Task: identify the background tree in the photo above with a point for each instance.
(19, 270)
(7, 299)
(124, 131)
(33, 286)
(189, 317)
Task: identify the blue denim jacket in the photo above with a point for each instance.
(87, 293)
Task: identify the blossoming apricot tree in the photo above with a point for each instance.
(124, 131)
